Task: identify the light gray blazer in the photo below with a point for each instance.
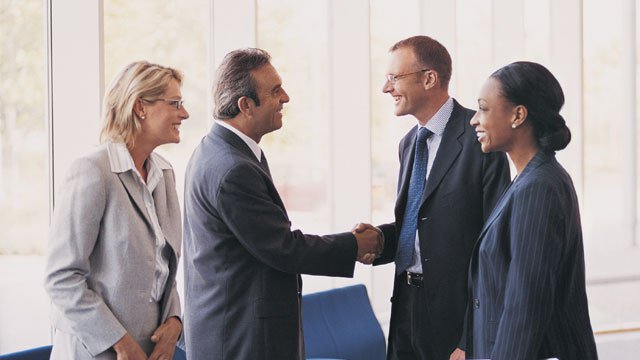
(101, 260)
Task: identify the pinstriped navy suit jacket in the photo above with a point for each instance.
(527, 280)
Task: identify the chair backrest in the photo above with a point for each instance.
(39, 353)
(340, 324)
(179, 354)
(44, 352)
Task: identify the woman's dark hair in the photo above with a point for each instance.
(533, 86)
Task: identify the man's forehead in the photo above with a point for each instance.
(402, 57)
(266, 76)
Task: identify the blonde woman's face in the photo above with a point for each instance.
(162, 118)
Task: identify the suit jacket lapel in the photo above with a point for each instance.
(539, 159)
(447, 153)
(133, 188)
(408, 150)
(497, 210)
(234, 140)
(162, 211)
(170, 227)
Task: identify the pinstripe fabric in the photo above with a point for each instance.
(527, 280)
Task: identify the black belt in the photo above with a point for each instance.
(414, 279)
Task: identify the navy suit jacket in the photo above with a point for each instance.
(242, 260)
(527, 280)
(462, 188)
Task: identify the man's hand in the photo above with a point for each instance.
(128, 349)
(457, 354)
(370, 242)
(165, 337)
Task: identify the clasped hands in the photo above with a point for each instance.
(370, 242)
(165, 338)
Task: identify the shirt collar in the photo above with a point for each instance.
(255, 148)
(121, 161)
(439, 120)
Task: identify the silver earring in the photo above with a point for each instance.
(512, 125)
(143, 117)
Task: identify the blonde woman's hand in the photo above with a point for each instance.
(129, 349)
(165, 338)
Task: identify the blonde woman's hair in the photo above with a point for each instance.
(138, 80)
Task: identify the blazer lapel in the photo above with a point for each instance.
(539, 159)
(407, 151)
(497, 210)
(235, 141)
(448, 151)
(170, 228)
(133, 188)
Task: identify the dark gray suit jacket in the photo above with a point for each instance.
(462, 188)
(527, 281)
(242, 260)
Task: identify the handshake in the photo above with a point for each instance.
(370, 242)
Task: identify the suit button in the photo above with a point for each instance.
(476, 304)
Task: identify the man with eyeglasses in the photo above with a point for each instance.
(446, 189)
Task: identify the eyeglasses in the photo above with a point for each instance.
(176, 103)
(393, 78)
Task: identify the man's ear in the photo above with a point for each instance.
(431, 79)
(246, 105)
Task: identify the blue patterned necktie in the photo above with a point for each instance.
(407, 238)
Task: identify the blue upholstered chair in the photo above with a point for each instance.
(179, 354)
(39, 353)
(340, 324)
(44, 352)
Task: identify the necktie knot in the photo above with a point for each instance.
(424, 134)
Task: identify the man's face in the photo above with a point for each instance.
(408, 92)
(268, 116)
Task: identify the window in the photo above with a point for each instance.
(298, 153)
(24, 174)
(387, 129)
(610, 155)
(170, 33)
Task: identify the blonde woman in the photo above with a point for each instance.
(116, 234)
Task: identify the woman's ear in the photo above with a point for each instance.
(520, 115)
(138, 108)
